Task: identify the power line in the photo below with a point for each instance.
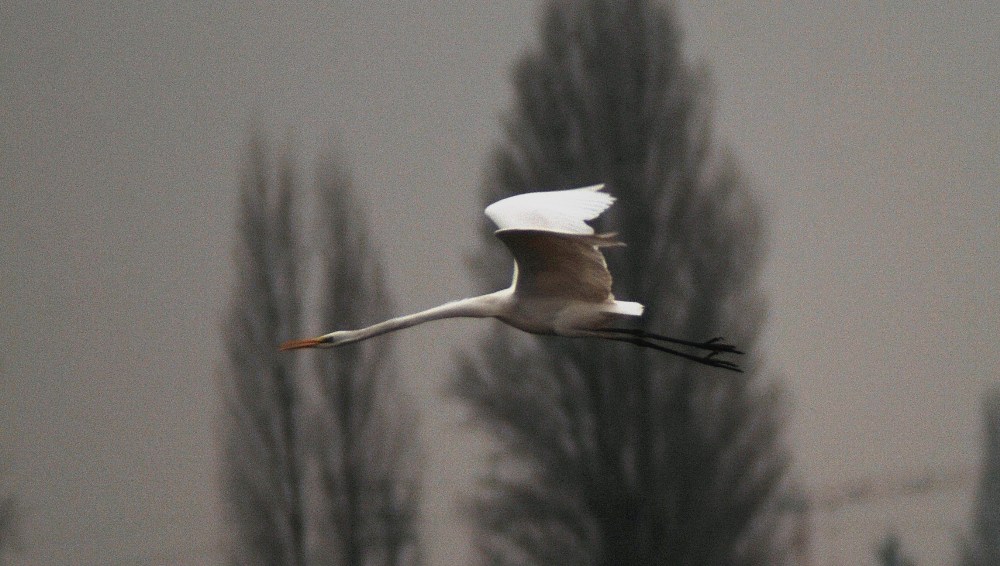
(862, 490)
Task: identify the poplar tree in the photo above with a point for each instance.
(365, 443)
(983, 545)
(8, 526)
(620, 455)
(312, 481)
(263, 476)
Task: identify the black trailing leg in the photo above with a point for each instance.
(712, 347)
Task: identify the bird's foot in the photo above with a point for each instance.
(710, 360)
(718, 345)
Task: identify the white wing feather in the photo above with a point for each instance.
(565, 212)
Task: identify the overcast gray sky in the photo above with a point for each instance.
(870, 131)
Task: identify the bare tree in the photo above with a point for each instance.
(983, 545)
(262, 461)
(627, 456)
(365, 429)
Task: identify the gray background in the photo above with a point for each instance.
(870, 131)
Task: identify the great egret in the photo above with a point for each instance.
(561, 285)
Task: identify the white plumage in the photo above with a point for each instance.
(561, 283)
(564, 212)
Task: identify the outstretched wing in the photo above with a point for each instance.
(564, 212)
(555, 265)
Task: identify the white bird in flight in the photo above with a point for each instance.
(561, 285)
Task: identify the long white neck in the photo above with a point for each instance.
(474, 307)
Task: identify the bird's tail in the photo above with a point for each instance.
(627, 308)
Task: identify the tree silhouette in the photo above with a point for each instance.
(890, 552)
(8, 526)
(262, 462)
(325, 478)
(983, 546)
(623, 455)
(365, 428)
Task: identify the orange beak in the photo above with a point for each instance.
(297, 344)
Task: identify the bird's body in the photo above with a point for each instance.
(561, 283)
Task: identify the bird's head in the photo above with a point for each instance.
(324, 341)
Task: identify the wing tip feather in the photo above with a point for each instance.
(559, 211)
